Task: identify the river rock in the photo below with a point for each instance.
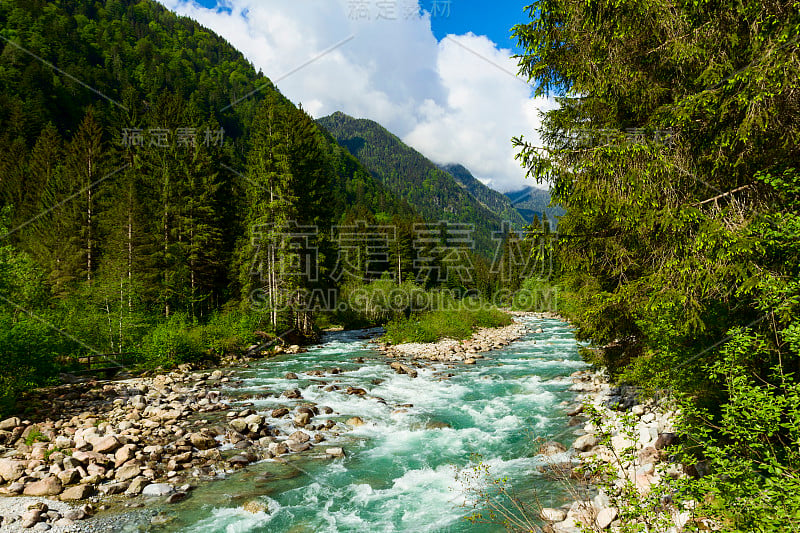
(585, 443)
(400, 368)
(176, 497)
(202, 442)
(78, 492)
(552, 448)
(355, 391)
(292, 394)
(278, 448)
(114, 488)
(605, 517)
(302, 419)
(297, 447)
(49, 486)
(75, 515)
(335, 452)
(238, 460)
(106, 444)
(137, 485)
(124, 454)
(157, 489)
(239, 425)
(255, 506)
(69, 476)
(553, 515)
(299, 436)
(355, 421)
(11, 470)
(575, 410)
(128, 471)
(10, 423)
(279, 412)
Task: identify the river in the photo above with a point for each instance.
(401, 466)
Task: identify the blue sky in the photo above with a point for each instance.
(443, 80)
(461, 16)
(476, 16)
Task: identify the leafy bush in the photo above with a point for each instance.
(229, 331)
(457, 322)
(536, 295)
(29, 349)
(173, 342)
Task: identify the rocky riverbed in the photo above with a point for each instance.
(636, 452)
(151, 440)
(142, 439)
(464, 351)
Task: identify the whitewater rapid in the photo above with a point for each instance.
(400, 472)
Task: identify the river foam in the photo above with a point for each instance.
(401, 466)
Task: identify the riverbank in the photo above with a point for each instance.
(619, 456)
(150, 440)
(465, 351)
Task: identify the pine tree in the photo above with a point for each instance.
(85, 167)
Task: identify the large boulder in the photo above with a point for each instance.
(78, 492)
(280, 412)
(157, 489)
(128, 471)
(106, 444)
(585, 443)
(300, 436)
(10, 423)
(202, 442)
(11, 470)
(49, 486)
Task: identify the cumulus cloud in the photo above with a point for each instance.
(455, 101)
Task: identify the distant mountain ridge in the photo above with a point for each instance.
(433, 192)
(533, 202)
(494, 201)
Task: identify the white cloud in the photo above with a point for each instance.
(455, 101)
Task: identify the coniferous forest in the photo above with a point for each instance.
(162, 199)
(675, 153)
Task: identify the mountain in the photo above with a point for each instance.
(434, 193)
(494, 201)
(128, 161)
(532, 202)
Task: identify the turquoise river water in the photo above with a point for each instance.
(400, 473)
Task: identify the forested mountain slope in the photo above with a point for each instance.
(494, 201)
(433, 192)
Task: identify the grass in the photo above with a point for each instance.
(453, 323)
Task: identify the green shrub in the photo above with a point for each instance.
(29, 350)
(173, 342)
(457, 321)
